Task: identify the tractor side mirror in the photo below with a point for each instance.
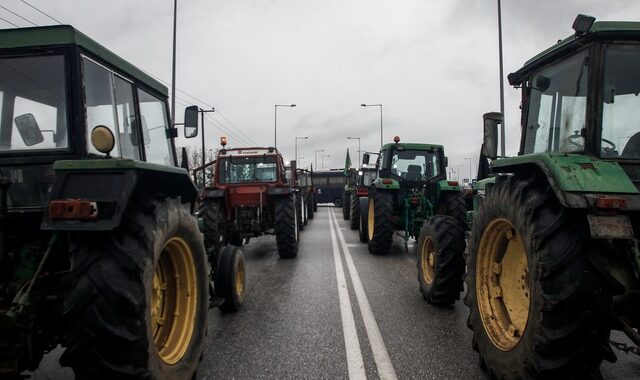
(29, 129)
(365, 158)
(191, 121)
(490, 136)
(446, 161)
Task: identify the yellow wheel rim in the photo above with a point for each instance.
(239, 283)
(502, 284)
(371, 218)
(428, 260)
(174, 300)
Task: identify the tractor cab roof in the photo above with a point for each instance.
(412, 146)
(599, 30)
(251, 151)
(65, 35)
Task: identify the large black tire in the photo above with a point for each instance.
(441, 265)
(213, 217)
(338, 202)
(230, 279)
(566, 331)
(453, 203)
(364, 216)
(346, 205)
(299, 214)
(355, 211)
(117, 310)
(380, 237)
(310, 210)
(315, 203)
(286, 227)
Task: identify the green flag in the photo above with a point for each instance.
(347, 163)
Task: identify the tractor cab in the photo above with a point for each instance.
(581, 98)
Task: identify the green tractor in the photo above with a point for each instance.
(411, 194)
(99, 249)
(554, 260)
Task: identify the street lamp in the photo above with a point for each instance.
(323, 156)
(376, 105)
(470, 175)
(296, 144)
(356, 138)
(275, 122)
(316, 157)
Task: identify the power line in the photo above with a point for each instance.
(44, 13)
(17, 15)
(9, 22)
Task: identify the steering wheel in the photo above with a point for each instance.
(574, 140)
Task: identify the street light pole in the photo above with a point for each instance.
(296, 144)
(323, 156)
(275, 122)
(356, 138)
(376, 105)
(316, 156)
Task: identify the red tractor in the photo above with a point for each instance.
(250, 196)
(358, 200)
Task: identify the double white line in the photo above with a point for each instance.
(351, 341)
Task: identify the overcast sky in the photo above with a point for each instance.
(433, 64)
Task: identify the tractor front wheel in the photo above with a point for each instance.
(309, 204)
(363, 219)
(230, 278)
(380, 225)
(346, 205)
(536, 306)
(212, 217)
(138, 296)
(441, 260)
(452, 203)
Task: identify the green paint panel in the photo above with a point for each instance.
(574, 172)
(444, 186)
(108, 164)
(60, 35)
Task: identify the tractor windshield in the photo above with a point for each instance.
(557, 107)
(33, 104)
(247, 169)
(414, 165)
(621, 108)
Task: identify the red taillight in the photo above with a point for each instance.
(73, 209)
(387, 181)
(610, 203)
(415, 201)
(452, 183)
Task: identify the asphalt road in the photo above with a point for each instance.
(336, 312)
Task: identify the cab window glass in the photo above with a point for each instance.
(154, 122)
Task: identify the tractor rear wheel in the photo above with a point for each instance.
(299, 213)
(364, 218)
(230, 279)
(536, 307)
(212, 216)
(138, 296)
(441, 263)
(309, 204)
(315, 203)
(355, 211)
(452, 203)
(286, 226)
(346, 205)
(380, 224)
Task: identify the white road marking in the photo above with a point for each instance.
(355, 362)
(354, 245)
(380, 353)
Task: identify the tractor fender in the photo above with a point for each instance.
(108, 185)
(576, 180)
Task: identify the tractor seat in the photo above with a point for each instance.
(414, 173)
(632, 149)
